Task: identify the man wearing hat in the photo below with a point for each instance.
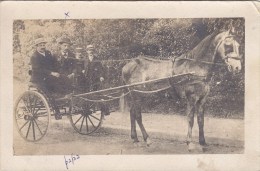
(94, 74)
(79, 67)
(44, 71)
(79, 53)
(43, 64)
(66, 61)
(93, 70)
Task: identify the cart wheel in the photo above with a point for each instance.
(87, 119)
(32, 115)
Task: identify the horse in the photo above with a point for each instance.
(213, 49)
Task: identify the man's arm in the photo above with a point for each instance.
(101, 71)
(37, 66)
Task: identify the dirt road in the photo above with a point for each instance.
(64, 141)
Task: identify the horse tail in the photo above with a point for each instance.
(137, 60)
(123, 100)
(127, 72)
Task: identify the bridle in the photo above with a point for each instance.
(229, 55)
(236, 58)
(215, 52)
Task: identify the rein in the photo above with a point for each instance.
(236, 58)
(214, 63)
(205, 62)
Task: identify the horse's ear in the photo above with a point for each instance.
(229, 31)
(232, 30)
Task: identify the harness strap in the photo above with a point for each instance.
(236, 58)
(154, 91)
(210, 63)
(103, 100)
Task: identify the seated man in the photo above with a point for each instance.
(65, 60)
(45, 72)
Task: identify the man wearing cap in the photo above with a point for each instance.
(44, 72)
(43, 65)
(66, 58)
(66, 62)
(80, 79)
(79, 53)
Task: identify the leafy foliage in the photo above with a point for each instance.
(127, 38)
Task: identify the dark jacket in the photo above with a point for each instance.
(93, 70)
(42, 66)
(65, 66)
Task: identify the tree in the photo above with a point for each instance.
(128, 38)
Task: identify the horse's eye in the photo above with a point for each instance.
(228, 42)
(228, 49)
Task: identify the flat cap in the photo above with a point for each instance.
(64, 40)
(39, 40)
(90, 47)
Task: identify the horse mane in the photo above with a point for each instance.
(150, 59)
(203, 50)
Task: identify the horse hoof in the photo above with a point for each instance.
(191, 147)
(148, 142)
(204, 147)
(136, 144)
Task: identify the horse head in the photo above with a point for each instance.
(228, 50)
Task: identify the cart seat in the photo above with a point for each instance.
(55, 95)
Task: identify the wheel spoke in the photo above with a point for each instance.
(91, 105)
(33, 129)
(29, 103)
(87, 124)
(32, 115)
(91, 122)
(42, 116)
(38, 127)
(41, 113)
(25, 105)
(23, 125)
(34, 105)
(82, 123)
(41, 122)
(39, 108)
(28, 129)
(95, 117)
(78, 119)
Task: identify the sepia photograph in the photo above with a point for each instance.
(106, 79)
(130, 86)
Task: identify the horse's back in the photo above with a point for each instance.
(143, 69)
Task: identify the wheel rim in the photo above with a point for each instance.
(86, 120)
(32, 116)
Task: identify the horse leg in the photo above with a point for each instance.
(140, 123)
(133, 124)
(200, 120)
(200, 116)
(190, 119)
